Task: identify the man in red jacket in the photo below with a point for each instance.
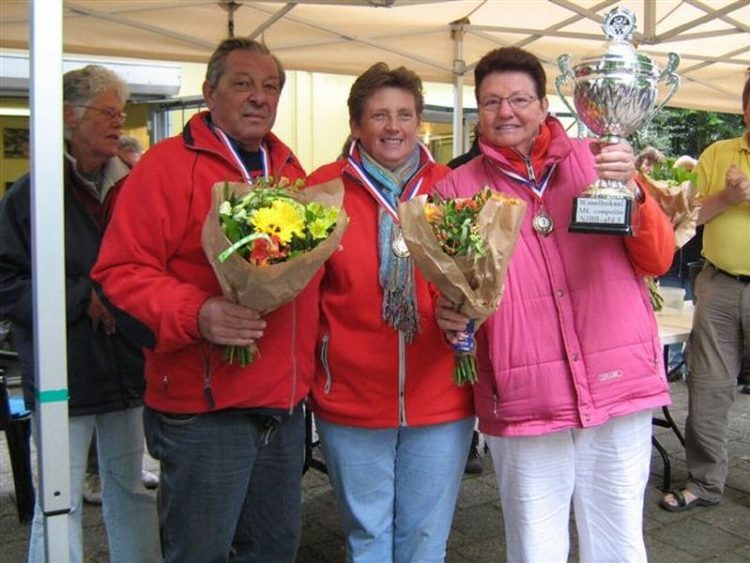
(229, 439)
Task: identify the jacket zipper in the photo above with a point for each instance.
(294, 356)
(323, 355)
(401, 379)
(207, 392)
(529, 168)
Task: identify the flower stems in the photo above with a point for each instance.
(466, 369)
(241, 356)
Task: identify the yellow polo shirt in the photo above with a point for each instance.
(726, 237)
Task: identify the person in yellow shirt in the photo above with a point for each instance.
(721, 325)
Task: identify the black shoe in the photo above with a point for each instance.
(473, 462)
(745, 389)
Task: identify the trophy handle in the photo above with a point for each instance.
(563, 63)
(670, 77)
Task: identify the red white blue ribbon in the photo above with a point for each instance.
(410, 190)
(241, 165)
(538, 188)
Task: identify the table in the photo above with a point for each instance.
(674, 328)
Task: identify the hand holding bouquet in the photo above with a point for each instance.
(266, 240)
(463, 247)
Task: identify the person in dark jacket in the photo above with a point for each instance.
(105, 368)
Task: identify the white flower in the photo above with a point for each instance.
(240, 214)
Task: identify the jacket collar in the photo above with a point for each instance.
(199, 135)
(114, 171)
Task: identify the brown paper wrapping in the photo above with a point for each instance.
(474, 283)
(266, 288)
(676, 203)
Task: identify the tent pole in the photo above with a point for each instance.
(47, 253)
(459, 69)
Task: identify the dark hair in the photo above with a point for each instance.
(380, 76)
(511, 59)
(746, 94)
(217, 62)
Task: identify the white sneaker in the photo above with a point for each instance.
(150, 480)
(92, 489)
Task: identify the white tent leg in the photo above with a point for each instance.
(459, 68)
(51, 414)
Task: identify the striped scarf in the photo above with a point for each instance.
(396, 275)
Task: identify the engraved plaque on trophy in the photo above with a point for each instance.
(614, 94)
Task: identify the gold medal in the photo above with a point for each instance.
(400, 250)
(542, 223)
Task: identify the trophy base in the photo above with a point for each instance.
(602, 215)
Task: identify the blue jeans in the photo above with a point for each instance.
(230, 488)
(129, 510)
(396, 487)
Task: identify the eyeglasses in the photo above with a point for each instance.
(517, 101)
(111, 113)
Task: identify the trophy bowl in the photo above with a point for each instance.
(614, 94)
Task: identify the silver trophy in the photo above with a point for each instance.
(614, 93)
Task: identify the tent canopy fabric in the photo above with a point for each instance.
(438, 39)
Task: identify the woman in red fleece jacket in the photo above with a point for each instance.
(394, 428)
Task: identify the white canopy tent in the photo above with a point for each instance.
(441, 40)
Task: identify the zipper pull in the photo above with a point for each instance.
(209, 396)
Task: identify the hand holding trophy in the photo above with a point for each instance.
(614, 94)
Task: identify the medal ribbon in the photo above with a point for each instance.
(241, 165)
(537, 188)
(410, 190)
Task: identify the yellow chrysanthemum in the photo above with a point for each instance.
(282, 219)
(432, 212)
(321, 220)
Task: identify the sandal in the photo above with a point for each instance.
(682, 503)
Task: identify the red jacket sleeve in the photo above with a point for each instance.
(652, 248)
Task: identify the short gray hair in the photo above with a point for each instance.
(82, 85)
(217, 62)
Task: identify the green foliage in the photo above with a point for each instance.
(677, 131)
(669, 173)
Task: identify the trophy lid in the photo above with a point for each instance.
(618, 54)
(619, 24)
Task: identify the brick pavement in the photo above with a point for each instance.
(719, 534)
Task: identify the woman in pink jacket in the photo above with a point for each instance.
(570, 364)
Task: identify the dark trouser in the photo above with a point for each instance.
(230, 490)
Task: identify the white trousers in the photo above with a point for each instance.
(129, 510)
(603, 470)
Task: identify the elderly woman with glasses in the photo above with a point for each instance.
(570, 364)
(105, 367)
(394, 429)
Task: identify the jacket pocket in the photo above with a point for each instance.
(323, 355)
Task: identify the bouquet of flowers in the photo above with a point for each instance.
(463, 247)
(672, 188)
(266, 241)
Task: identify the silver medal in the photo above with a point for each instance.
(542, 223)
(400, 250)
